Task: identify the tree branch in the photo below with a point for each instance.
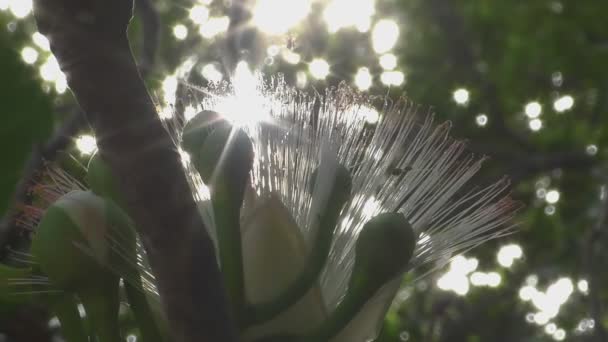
(61, 137)
(151, 34)
(88, 38)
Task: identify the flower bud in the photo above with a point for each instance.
(80, 244)
(384, 248)
(102, 182)
(198, 129)
(227, 155)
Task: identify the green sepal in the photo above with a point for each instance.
(102, 182)
(147, 323)
(384, 248)
(81, 244)
(72, 327)
(101, 305)
(60, 246)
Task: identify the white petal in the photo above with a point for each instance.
(274, 252)
(367, 324)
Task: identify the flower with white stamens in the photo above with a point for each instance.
(400, 164)
(318, 212)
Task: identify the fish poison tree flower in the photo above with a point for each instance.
(318, 205)
(318, 212)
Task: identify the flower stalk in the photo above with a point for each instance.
(224, 157)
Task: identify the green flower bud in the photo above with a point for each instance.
(228, 154)
(198, 129)
(101, 180)
(80, 244)
(384, 248)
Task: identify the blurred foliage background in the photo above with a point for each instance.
(525, 82)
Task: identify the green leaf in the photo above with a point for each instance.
(25, 114)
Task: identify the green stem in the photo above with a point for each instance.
(359, 293)
(66, 310)
(101, 307)
(227, 220)
(140, 306)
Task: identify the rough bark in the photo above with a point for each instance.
(88, 37)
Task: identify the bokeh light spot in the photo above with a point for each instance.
(41, 41)
(199, 14)
(211, 73)
(535, 125)
(392, 78)
(319, 68)
(214, 26)
(388, 61)
(180, 31)
(384, 35)
(533, 110)
(363, 79)
(481, 120)
(359, 14)
(508, 254)
(552, 196)
(564, 103)
(278, 16)
(86, 144)
(29, 55)
(20, 8)
(591, 149)
(461, 96)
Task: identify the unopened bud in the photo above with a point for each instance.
(198, 129)
(384, 248)
(72, 242)
(226, 154)
(83, 243)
